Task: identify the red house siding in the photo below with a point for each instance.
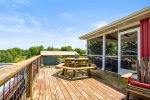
(145, 38)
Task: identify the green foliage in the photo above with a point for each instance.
(111, 48)
(95, 47)
(19, 58)
(27, 53)
(66, 48)
(50, 48)
(36, 50)
(129, 48)
(80, 51)
(16, 54)
(5, 56)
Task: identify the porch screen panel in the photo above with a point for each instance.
(94, 47)
(95, 51)
(145, 37)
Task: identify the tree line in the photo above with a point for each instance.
(15, 55)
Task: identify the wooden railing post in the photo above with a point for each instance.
(39, 64)
(31, 80)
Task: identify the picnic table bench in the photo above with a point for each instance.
(65, 68)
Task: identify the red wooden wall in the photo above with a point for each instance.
(145, 37)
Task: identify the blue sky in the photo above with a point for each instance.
(26, 23)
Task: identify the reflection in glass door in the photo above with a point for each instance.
(128, 49)
(129, 52)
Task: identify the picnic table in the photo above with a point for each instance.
(75, 64)
(76, 61)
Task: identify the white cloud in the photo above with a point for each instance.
(27, 31)
(99, 24)
(18, 23)
(72, 31)
(14, 3)
(72, 38)
(21, 1)
(67, 15)
(39, 37)
(11, 21)
(33, 20)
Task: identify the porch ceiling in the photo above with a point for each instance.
(121, 24)
(114, 37)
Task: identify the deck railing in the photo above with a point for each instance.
(16, 80)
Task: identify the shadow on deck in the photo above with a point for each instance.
(50, 86)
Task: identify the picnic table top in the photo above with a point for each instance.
(77, 59)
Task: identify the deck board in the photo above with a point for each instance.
(50, 87)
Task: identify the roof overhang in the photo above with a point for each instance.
(58, 53)
(121, 24)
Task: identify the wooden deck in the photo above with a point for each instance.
(50, 87)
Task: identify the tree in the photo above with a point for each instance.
(15, 52)
(5, 56)
(50, 48)
(95, 47)
(66, 48)
(27, 53)
(111, 48)
(80, 51)
(36, 50)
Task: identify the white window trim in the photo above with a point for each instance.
(119, 44)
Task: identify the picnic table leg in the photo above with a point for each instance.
(88, 72)
(74, 73)
(74, 63)
(65, 62)
(127, 95)
(63, 72)
(66, 70)
(87, 63)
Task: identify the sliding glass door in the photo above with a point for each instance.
(128, 49)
